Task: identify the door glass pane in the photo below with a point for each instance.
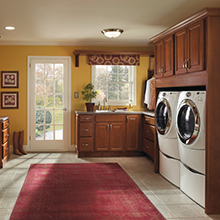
(39, 132)
(39, 101)
(49, 70)
(186, 122)
(49, 85)
(39, 86)
(39, 70)
(58, 101)
(39, 116)
(59, 132)
(49, 117)
(58, 85)
(49, 132)
(49, 101)
(58, 73)
(58, 116)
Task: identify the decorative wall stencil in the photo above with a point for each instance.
(125, 60)
(9, 79)
(9, 100)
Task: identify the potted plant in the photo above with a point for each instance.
(89, 94)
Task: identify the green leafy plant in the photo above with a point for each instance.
(89, 93)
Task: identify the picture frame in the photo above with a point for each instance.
(9, 79)
(9, 100)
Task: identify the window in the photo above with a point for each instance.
(115, 83)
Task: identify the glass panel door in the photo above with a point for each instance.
(49, 104)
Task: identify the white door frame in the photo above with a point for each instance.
(68, 125)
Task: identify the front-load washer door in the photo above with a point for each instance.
(188, 122)
(163, 116)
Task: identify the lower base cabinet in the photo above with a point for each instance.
(109, 135)
(4, 141)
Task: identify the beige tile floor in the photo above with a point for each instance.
(168, 199)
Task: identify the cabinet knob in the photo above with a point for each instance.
(147, 131)
(85, 129)
(85, 145)
(147, 146)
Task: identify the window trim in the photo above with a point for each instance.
(132, 94)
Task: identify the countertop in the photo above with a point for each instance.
(146, 112)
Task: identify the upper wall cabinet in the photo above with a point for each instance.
(164, 57)
(189, 48)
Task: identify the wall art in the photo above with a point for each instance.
(9, 100)
(9, 79)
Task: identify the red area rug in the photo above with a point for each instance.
(90, 191)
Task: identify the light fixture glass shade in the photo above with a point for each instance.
(112, 32)
(10, 28)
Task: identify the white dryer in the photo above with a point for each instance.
(190, 123)
(167, 137)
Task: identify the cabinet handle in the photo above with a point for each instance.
(162, 69)
(85, 145)
(85, 129)
(111, 127)
(147, 146)
(127, 119)
(85, 118)
(7, 124)
(107, 127)
(187, 64)
(7, 135)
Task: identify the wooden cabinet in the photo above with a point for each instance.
(189, 48)
(133, 132)
(84, 133)
(109, 133)
(148, 135)
(164, 57)
(4, 141)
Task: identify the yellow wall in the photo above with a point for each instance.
(14, 58)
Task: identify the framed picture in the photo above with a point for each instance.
(9, 79)
(9, 100)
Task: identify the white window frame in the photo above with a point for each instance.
(132, 92)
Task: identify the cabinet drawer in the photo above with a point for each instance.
(149, 132)
(5, 135)
(148, 147)
(86, 144)
(5, 149)
(85, 129)
(110, 118)
(86, 118)
(149, 120)
(5, 124)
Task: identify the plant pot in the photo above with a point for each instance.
(90, 107)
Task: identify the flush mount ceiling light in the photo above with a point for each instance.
(10, 28)
(112, 32)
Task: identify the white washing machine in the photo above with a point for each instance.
(167, 137)
(190, 123)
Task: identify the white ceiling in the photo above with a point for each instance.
(79, 22)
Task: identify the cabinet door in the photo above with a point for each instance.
(159, 58)
(117, 136)
(196, 47)
(133, 132)
(102, 136)
(181, 50)
(168, 56)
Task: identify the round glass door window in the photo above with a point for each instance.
(188, 122)
(163, 117)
